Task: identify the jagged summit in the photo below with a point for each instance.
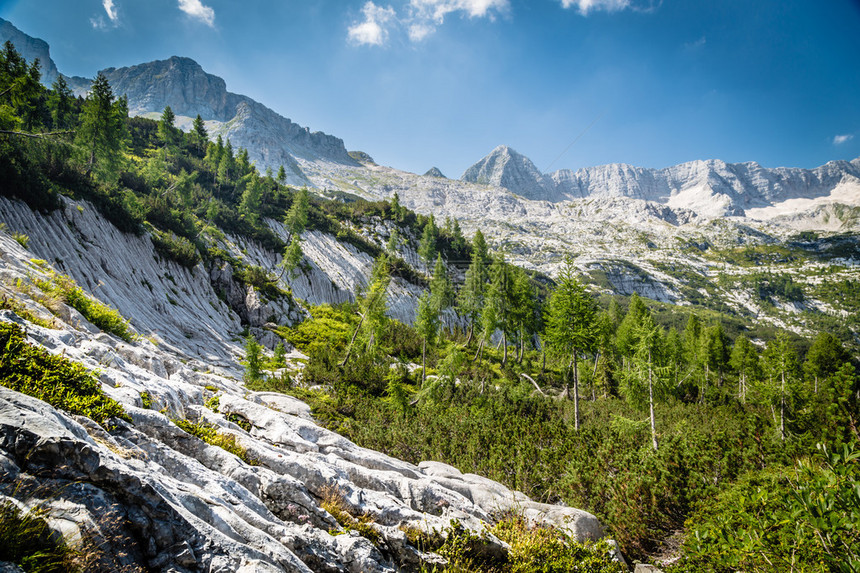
(178, 82)
(31, 48)
(504, 167)
(435, 172)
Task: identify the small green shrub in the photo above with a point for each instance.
(210, 434)
(176, 248)
(101, 315)
(55, 379)
(146, 400)
(549, 550)
(334, 503)
(27, 541)
(23, 312)
(22, 239)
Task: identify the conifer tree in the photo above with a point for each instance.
(427, 247)
(470, 299)
(441, 289)
(427, 325)
(571, 325)
(199, 135)
(372, 307)
(782, 369)
(167, 131)
(102, 131)
(647, 371)
(282, 175)
(744, 360)
(60, 104)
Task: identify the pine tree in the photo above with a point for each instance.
(60, 104)
(441, 289)
(372, 307)
(253, 360)
(646, 369)
(102, 131)
(296, 219)
(252, 198)
(470, 299)
(825, 357)
(167, 131)
(571, 325)
(282, 175)
(199, 135)
(427, 247)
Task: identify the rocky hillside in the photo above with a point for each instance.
(155, 495)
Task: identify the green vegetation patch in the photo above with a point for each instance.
(56, 380)
(27, 541)
(101, 315)
(210, 434)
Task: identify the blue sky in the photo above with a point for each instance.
(569, 83)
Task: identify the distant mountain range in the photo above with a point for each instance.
(710, 188)
(705, 189)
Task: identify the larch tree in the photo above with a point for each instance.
(470, 299)
(745, 361)
(101, 134)
(571, 327)
(782, 369)
(427, 325)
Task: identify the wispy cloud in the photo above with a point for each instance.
(840, 139)
(586, 6)
(110, 9)
(113, 17)
(197, 10)
(419, 18)
(373, 31)
(697, 44)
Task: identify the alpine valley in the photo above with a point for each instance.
(230, 344)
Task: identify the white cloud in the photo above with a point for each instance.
(840, 139)
(437, 9)
(110, 9)
(197, 10)
(373, 31)
(419, 18)
(586, 6)
(99, 22)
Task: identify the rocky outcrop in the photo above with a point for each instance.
(31, 48)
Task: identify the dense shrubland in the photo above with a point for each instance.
(657, 419)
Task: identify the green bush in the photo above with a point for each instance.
(56, 380)
(210, 434)
(27, 541)
(174, 247)
(802, 518)
(104, 317)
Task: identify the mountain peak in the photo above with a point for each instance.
(30, 48)
(435, 172)
(505, 167)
